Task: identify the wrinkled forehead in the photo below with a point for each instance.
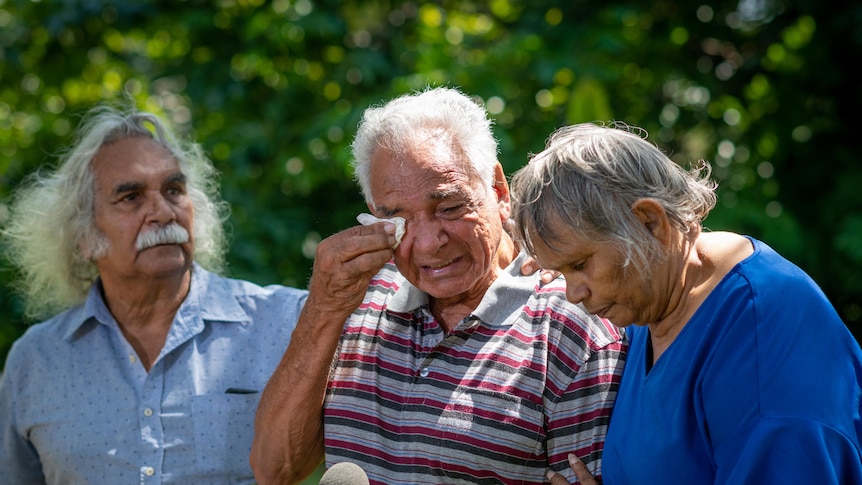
(435, 168)
(131, 159)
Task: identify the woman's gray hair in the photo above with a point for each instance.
(51, 236)
(587, 179)
(435, 112)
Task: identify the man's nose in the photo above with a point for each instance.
(160, 210)
(425, 236)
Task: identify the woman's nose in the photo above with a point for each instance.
(576, 291)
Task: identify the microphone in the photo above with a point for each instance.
(344, 473)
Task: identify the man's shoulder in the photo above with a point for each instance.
(49, 336)
(572, 319)
(551, 297)
(235, 287)
(220, 298)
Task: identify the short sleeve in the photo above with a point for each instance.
(788, 450)
(18, 459)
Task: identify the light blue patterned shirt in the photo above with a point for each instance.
(77, 406)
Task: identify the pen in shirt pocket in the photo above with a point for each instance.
(239, 390)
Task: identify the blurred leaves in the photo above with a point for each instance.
(274, 89)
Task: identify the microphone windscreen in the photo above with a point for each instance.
(344, 473)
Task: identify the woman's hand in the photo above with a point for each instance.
(584, 475)
(530, 266)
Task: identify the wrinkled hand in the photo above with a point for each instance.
(344, 264)
(581, 472)
(530, 266)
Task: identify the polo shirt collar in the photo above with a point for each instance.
(506, 294)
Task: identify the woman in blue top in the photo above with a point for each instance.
(740, 370)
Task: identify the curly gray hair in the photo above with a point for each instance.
(51, 236)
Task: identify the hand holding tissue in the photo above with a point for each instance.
(400, 225)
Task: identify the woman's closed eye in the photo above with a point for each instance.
(579, 266)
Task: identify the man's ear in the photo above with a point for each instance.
(501, 189)
(653, 216)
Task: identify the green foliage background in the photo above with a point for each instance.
(273, 90)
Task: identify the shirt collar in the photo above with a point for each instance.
(506, 294)
(209, 299)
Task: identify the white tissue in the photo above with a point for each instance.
(400, 224)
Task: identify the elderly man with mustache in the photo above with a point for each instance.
(151, 370)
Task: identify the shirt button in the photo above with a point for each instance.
(148, 470)
(423, 372)
(132, 358)
(148, 412)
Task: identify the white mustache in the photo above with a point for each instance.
(173, 233)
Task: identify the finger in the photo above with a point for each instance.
(340, 267)
(529, 267)
(342, 286)
(374, 237)
(386, 227)
(346, 261)
(368, 262)
(354, 242)
(548, 276)
(555, 478)
(581, 471)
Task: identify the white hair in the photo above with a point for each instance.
(434, 112)
(51, 235)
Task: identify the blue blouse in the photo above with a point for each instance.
(761, 386)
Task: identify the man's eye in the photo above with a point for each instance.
(450, 210)
(130, 197)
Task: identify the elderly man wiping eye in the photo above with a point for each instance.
(400, 224)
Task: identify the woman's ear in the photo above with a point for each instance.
(653, 216)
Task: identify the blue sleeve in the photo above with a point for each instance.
(788, 408)
(19, 461)
(788, 450)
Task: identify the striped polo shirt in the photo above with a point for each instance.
(520, 383)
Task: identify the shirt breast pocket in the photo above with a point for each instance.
(224, 428)
(513, 425)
